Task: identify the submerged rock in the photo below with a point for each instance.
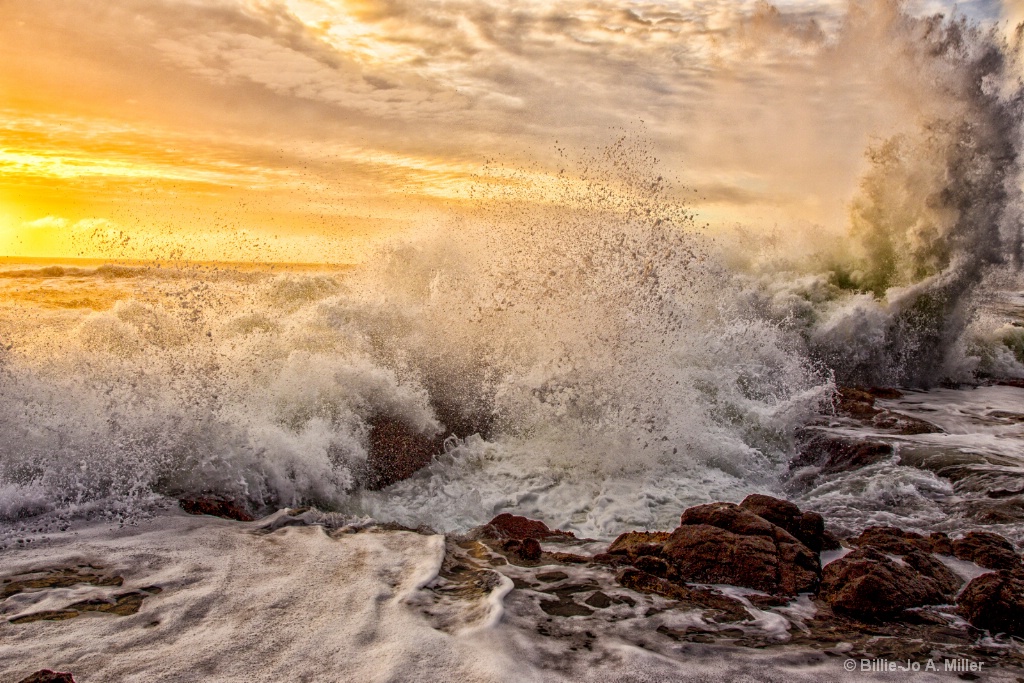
(47, 676)
(725, 543)
(867, 584)
(217, 507)
(986, 549)
(995, 602)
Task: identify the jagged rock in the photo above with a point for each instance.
(995, 602)
(986, 549)
(940, 543)
(904, 424)
(834, 454)
(527, 549)
(217, 507)
(507, 525)
(397, 451)
(651, 565)
(892, 540)
(947, 581)
(637, 543)
(724, 543)
(807, 527)
(867, 584)
(47, 676)
(724, 607)
(856, 402)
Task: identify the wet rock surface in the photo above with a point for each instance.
(869, 585)
(717, 579)
(995, 602)
(43, 582)
(986, 549)
(47, 676)
(726, 543)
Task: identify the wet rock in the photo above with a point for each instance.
(565, 607)
(986, 549)
(528, 549)
(217, 507)
(940, 543)
(551, 577)
(868, 585)
(507, 525)
(397, 451)
(807, 527)
(904, 424)
(995, 602)
(834, 454)
(47, 676)
(855, 402)
(725, 543)
(652, 565)
(599, 600)
(636, 543)
(892, 540)
(64, 577)
(723, 608)
(947, 581)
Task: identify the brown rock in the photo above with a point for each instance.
(855, 402)
(47, 676)
(724, 543)
(807, 527)
(636, 543)
(527, 549)
(986, 549)
(507, 525)
(228, 509)
(947, 581)
(868, 585)
(892, 540)
(651, 565)
(995, 602)
(940, 543)
(397, 451)
(728, 516)
(723, 607)
(834, 454)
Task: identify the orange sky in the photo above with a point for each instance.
(306, 130)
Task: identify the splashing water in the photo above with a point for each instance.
(600, 358)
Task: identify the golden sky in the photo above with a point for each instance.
(306, 130)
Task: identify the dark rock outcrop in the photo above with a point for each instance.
(725, 543)
(833, 454)
(889, 539)
(217, 507)
(633, 544)
(866, 584)
(986, 549)
(528, 549)
(507, 525)
(995, 602)
(397, 451)
(47, 676)
(807, 527)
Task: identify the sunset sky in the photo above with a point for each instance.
(306, 130)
